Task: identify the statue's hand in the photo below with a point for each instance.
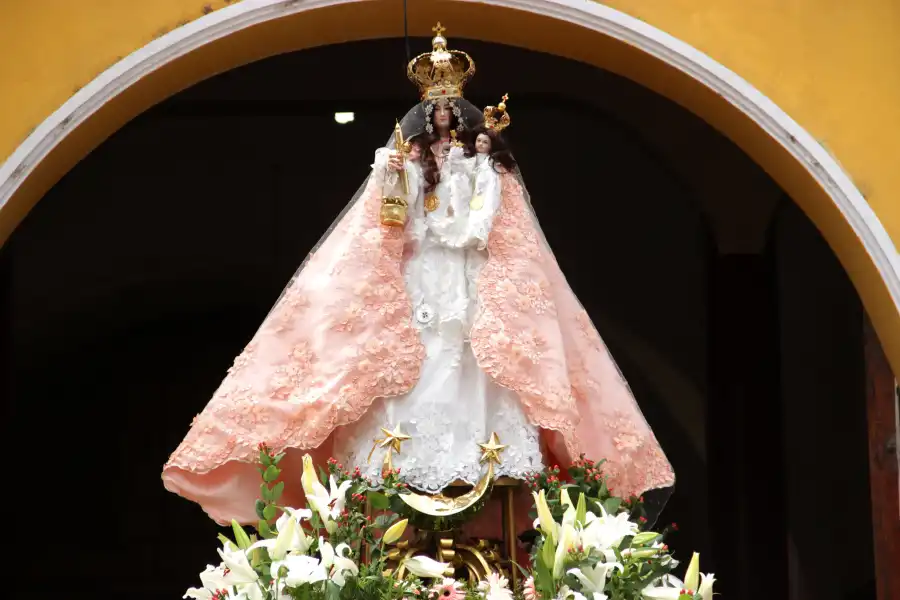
(395, 161)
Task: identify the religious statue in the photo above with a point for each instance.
(431, 318)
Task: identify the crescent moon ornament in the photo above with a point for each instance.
(442, 506)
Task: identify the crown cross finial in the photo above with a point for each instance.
(505, 97)
(439, 29)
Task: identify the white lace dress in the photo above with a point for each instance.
(454, 406)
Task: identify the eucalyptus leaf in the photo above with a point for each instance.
(269, 513)
(264, 459)
(271, 474)
(265, 530)
(265, 493)
(276, 491)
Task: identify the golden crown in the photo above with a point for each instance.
(497, 117)
(441, 73)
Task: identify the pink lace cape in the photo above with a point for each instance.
(342, 336)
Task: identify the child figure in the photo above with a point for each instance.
(492, 158)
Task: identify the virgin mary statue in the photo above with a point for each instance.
(451, 327)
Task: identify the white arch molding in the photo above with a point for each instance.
(588, 14)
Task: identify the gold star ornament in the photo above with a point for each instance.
(392, 438)
(490, 451)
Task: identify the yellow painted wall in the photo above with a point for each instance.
(833, 65)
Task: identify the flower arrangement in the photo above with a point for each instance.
(589, 546)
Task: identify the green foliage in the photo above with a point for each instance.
(370, 510)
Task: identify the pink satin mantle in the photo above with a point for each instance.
(342, 337)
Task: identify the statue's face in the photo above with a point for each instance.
(482, 143)
(442, 115)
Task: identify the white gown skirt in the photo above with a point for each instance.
(455, 406)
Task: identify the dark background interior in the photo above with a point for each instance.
(137, 279)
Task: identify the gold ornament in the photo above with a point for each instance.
(403, 147)
(392, 441)
(393, 211)
(497, 118)
(441, 73)
(490, 451)
(443, 506)
(393, 438)
(477, 202)
(432, 202)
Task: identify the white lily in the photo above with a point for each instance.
(328, 503)
(335, 562)
(667, 587)
(545, 522)
(422, 566)
(606, 531)
(290, 539)
(309, 479)
(660, 593)
(300, 569)
(213, 580)
(568, 541)
(300, 542)
(239, 570)
(566, 593)
(249, 591)
(706, 585)
(593, 579)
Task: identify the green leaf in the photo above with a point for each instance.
(271, 474)
(265, 493)
(276, 491)
(264, 530)
(264, 459)
(332, 591)
(269, 513)
(386, 520)
(379, 501)
(260, 506)
(544, 577)
(240, 536)
(225, 541)
(612, 505)
(278, 458)
(548, 553)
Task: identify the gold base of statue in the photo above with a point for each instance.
(472, 559)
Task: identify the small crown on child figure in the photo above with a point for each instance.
(497, 118)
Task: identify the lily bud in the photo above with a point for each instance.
(394, 532)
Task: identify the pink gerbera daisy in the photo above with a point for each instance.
(449, 589)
